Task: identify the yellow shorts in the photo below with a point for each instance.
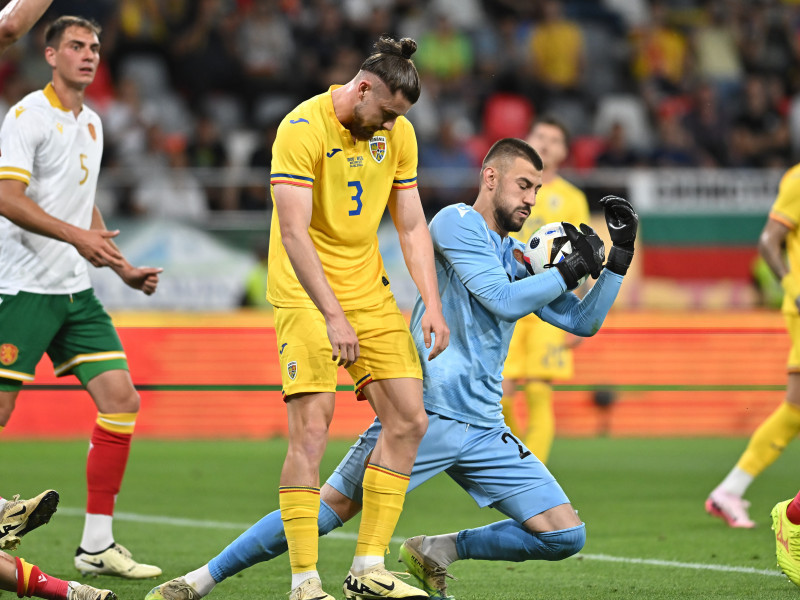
(537, 351)
(386, 347)
(793, 325)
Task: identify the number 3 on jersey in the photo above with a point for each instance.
(355, 197)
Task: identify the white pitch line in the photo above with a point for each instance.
(202, 524)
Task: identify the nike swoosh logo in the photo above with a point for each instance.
(281, 352)
(332, 152)
(612, 226)
(296, 121)
(95, 563)
(383, 585)
(20, 512)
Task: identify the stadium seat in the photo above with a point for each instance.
(507, 115)
(584, 151)
(628, 110)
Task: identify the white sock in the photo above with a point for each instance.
(441, 548)
(299, 578)
(3, 502)
(736, 482)
(201, 580)
(97, 533)
(362, 563)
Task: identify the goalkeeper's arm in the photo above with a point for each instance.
(771, 248)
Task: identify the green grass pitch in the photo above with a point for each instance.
(642, 500)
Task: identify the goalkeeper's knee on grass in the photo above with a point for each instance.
(560, 544)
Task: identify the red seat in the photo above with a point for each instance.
(507, 115)
(584, 151)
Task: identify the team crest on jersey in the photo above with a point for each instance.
(377, 147)
(92, 131)
(8, 354)
(291, 369)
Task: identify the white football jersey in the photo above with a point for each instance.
(58, 156)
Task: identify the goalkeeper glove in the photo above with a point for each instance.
(623, 223)
(586, 258)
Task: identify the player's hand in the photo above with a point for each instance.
(343, 340)
(586, 258)
(433, 323)
(94, 246)
(622, 221)
(142, 278)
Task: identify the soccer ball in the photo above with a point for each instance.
(548, 246)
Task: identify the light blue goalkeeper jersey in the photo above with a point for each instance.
(484, 290)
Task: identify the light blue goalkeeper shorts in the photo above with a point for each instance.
(493, 467)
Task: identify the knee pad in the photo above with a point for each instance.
(563, 543)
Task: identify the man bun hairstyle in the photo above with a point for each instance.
(391, 62)
(55, 31)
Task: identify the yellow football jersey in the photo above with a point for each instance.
(537, 348)
(558, 200)
(786, 210)
(351, 184)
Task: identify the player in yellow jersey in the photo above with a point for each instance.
(539, 352)
(339, 160)
(782, 426)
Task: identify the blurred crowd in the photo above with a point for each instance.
(203, 83)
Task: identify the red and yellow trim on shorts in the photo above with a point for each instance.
(361, 384)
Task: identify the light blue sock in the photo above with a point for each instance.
(263, 541)
(508, 540)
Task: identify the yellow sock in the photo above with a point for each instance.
(541, 420)
(508, 414)
(384, 493)
(770, 439)
(299, 513)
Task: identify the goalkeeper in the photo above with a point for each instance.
(485, 288)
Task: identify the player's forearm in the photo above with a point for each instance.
(417, 251)
(25, 213)
(770, 247)
(99, 224)
(308, 268)
(512, 301)
(17, 17)
(584, 317)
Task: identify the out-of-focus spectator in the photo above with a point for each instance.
(716, 51)
(125, 125)
(556, 53)
(445, 52)
(707, 121)
(761, 133)
(617, 152)
(204, 49)
(767, 42)
(266, 46)
(674, 147)
(257, 197)
(450, 159)
(171, 191)
(206, 150)
(659, 52)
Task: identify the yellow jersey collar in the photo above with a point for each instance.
(52, 97)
